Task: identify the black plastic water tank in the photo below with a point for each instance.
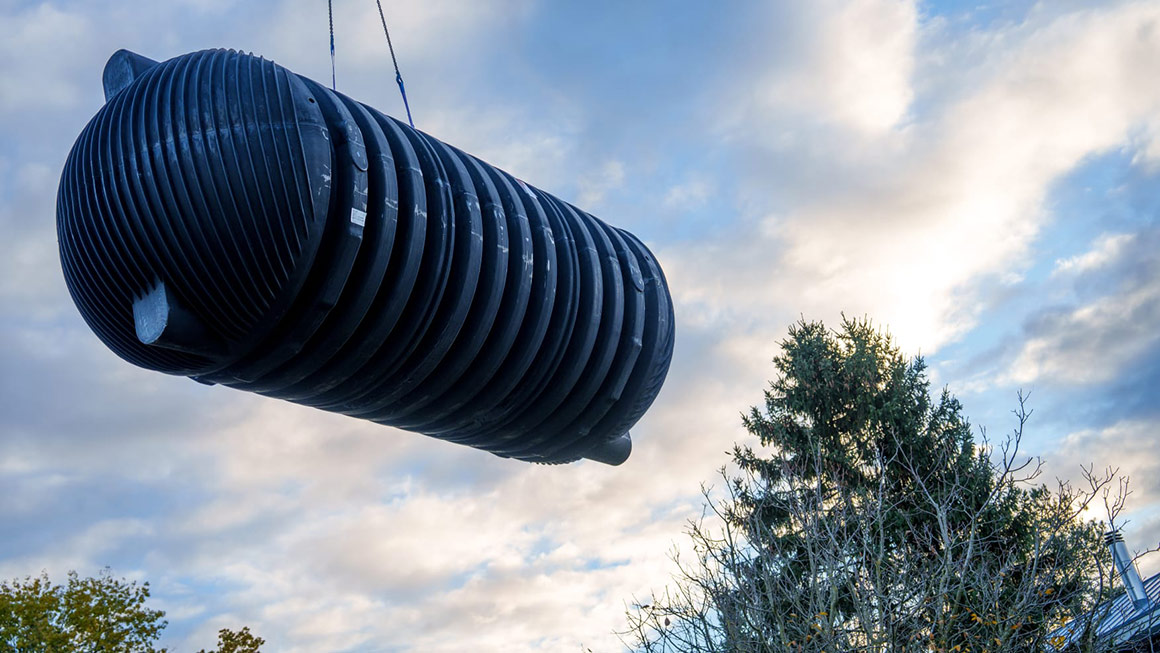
(223, 218)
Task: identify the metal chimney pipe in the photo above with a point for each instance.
(1127, 569)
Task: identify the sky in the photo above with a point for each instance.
(982, 179)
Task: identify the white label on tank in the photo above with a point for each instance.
(358, 217)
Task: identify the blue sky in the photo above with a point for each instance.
(982, 178)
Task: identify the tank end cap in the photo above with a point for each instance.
(122, 69)
(162, 321)
(611, 452)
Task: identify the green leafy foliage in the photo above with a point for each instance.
(91, 615)
(96, 615)
(241, 641)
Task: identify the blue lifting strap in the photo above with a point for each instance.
(390, 46)
(398, 75)
(330, 16)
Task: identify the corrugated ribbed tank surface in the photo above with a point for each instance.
(225, 219)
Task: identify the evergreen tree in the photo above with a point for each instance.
(866, 518)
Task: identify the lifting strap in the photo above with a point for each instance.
(390, 46)
(330, 15)
(398, 75)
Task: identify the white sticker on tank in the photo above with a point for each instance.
(358, 217)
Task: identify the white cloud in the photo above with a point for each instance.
(1093, 343)
(1105, 250)
(1148, 145)
(607, 178)
(35, 76)
(690, 195)
(856, 74)
(907, 228)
